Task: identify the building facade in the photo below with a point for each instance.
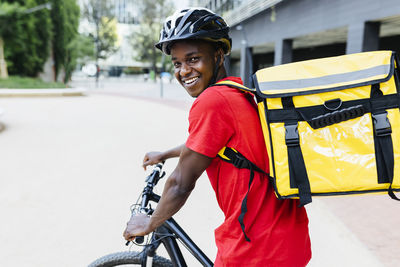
(273, 32)
(126, 13)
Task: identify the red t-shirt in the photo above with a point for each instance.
(278, 229)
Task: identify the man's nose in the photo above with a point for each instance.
(185, 70)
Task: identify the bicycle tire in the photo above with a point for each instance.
(128, 257)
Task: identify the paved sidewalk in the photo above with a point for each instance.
(333, 243)
(71, 169)
(374, 220)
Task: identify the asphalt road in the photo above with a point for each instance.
(71, 169)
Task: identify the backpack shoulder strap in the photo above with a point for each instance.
(235, 85)
(234, 157)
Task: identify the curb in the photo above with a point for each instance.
(42, 92)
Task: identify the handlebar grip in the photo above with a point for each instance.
(158, 167)
(155, 174)
(139, 239)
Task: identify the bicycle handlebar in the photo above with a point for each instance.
(155, 174)
(151, 181)
(148, 194)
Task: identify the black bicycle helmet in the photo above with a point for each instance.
(194, 23)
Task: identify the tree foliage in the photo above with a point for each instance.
(26, 37)
(31, 34)
(7, 11)
(80, 50)
(99, 14)
(65, 16)
(108, 37)
(152, 15)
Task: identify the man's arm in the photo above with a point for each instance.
(176, 191)
(154, 157)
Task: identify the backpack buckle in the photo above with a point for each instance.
(240, 162)
(381, 124)
(292, 135)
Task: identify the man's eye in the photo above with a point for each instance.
(176, 64)
(193, 59)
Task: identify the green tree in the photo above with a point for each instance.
(27, 38)
(99, 14)
(8, 12)
(65, 16)
(31, 32)
(108, 37)
(80, 50)
(153, 14)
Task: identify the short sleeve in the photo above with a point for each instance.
(211, 123)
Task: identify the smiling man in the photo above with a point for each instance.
(273, 232)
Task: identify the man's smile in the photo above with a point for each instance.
(190, 80)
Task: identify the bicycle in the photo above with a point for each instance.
(167, 235)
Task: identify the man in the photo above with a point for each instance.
(275, 231)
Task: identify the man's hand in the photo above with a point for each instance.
(178, 186)
(152, 158)
(138, 225)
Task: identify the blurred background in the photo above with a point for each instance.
(84, 94)
(62, 40)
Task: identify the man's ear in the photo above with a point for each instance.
(220, 54)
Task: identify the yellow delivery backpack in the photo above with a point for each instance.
(331, 125)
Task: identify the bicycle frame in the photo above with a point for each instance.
(172, 231)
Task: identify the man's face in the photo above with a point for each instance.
(194, 63)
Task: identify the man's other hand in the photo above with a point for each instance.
(138, 225)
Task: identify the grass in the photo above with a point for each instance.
(14, 82)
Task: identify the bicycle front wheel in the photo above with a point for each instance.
(128, 257)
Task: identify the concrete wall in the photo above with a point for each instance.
(295, 18)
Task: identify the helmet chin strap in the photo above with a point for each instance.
(215, 73)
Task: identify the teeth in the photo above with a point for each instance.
(191, 80)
